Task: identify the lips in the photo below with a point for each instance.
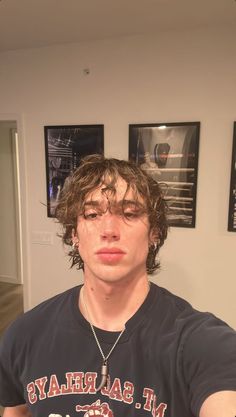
(110, 255)
(110, 250)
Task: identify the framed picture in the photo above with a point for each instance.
(169, 153)
(232, 195)
(64, 148)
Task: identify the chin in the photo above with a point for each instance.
(112, 279)
(117, 278)
(113, 273)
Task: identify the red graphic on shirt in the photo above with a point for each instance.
(95, 409)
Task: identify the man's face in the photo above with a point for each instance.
(113, 234)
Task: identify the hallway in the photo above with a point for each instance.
(11, 304)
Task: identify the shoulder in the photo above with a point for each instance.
(209, 341)
(205, 345)
(171, 300)
(173, 305)
(194, 326)
(209, 360)
(172, 310)
(40, 316)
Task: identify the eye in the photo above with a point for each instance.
(90, 215)
(131, 214)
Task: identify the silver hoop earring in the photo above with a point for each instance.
(74, 247)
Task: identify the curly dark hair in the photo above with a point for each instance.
(95, 170)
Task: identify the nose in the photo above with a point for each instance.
(110, 230)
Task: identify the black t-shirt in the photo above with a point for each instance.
(168, 361)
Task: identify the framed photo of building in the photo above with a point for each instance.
(64, 148)
(169, 153)
(232, 195)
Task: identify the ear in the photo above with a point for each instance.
(74, 238)
(153, 236)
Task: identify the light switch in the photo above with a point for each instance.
(42, 238)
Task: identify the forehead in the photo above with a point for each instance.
(118, 192)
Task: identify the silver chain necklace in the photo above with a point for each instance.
(104, 368)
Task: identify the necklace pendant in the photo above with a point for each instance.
(104, 375)
(104, 370)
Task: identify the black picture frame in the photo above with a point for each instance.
(232, 193)
(169, 153)
(64, 147)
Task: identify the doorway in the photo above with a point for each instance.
(11, 279)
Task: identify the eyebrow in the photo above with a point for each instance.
(124, 202)
(91, 203)
(121, 203)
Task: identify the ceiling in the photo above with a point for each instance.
(36, 23)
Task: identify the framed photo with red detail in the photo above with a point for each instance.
(232, 193)
(169, 153)
(65, 146)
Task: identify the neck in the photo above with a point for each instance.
(110, 305)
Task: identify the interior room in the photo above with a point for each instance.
(175, 72)
(115, 64)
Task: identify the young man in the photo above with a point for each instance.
(118, 346)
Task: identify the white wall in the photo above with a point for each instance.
(174, 77)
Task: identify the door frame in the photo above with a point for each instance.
(22, 209)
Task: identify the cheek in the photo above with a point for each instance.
(83, 230)
(140, 241)
(82, 235)
(87, 238)
(143, 232)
